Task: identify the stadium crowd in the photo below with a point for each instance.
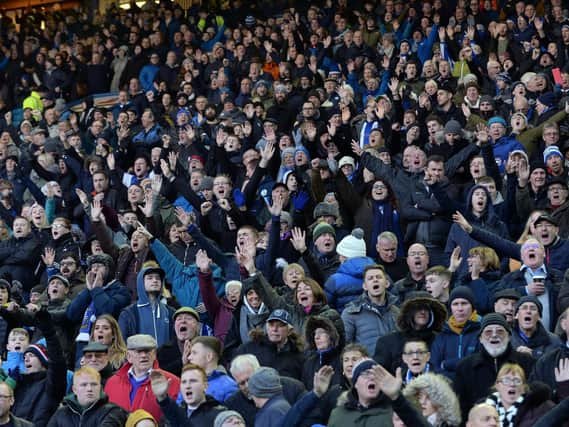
(274, 213)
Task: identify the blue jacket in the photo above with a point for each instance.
(449, 348)
(152, 137)
(109, 299)
(143, 317)
(147, 75)
(220, 386)
(184, 279)
(503, 147)
(273, 412)
(345, 285)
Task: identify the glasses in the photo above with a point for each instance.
(500, 333)
(378, 186)
(67, 263)
(418, 253)
(415, 353)
(56, 226)
(557, 189)
(531, 246)
(5, 397)
(511, 381)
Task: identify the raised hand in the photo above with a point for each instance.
(48, 256)
(96, 209)
(322, 379)
(224, 204)
(82, 197)
(245, 259)
(267, 153)
(159, 384)
(523, 174)
(94, 280)
(111, 162)
(184, 217)
(142, 229)
(459, 219)
(205, 208)
(482, 133)
(298, 239)
(164, 166)
(203, 261)
(562, 370)
(455, 260)
(394, 85)
(148, 207)
(172, 160)
(277, 207)
(390, 385)
(356, 148)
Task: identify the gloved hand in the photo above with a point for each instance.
(300, 199)
(238, 198)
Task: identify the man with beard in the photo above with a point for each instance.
(476, 374)
(69, 267)
(186, 327)
(281, 110)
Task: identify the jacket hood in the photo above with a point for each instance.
(437, 313)
(440, 392)
(488, 213)
(142, 296)
(315, 322)
(355, 266)
(71, 401)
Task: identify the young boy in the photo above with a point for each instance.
(437, 283)
(18, 342)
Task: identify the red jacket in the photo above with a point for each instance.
(118, 389)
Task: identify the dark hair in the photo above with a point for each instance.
(210, 343)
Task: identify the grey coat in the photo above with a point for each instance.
(365, 325)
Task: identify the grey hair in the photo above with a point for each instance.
(242, 362)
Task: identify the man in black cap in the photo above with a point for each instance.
(528, 334)
(505, 302)
(280, 347)
(96, 356)
(476, 374)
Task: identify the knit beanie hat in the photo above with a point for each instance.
(322, 228)
(495, 319)
(265, 382)
(529, 298)
(462, 292)
(137, 416)
(39, 351)
(353, 246)
(224, 416)
(552, 150)
(362, 366)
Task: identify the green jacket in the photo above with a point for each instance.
(350, 413)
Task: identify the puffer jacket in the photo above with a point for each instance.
(184, 279)
(345, 285)
(118, 388)
(366, 322)
(350, 413)
(449, 347)
(99, 414)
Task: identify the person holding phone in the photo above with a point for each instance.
(533, 278)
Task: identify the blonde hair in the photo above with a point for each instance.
(488, 257)
(117, 349)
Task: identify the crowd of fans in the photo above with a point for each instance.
(272, 214)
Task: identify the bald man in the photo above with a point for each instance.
(483, 415)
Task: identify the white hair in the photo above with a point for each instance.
(235, 283)
(242, 362)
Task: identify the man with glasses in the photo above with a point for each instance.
(557, 194)
(536, 279)
(130, 387)
(476, 374)
(415, 357)
(6, 403)
(96, 356)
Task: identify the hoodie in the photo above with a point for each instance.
(144, 317)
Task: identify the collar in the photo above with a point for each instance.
(542, 270)
(134, 377)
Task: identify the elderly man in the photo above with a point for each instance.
(418, 263)
(96, 356)
(242, 368)
(528, 334)
(483, 415)
(536, 279)
(388, 248)
(130, 386)
(476, 374)
(6, 403)
(86, 405)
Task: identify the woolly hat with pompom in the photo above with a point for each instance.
(353, 246)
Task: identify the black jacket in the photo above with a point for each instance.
(170, 357)
(544, 369)
(203, 416)
(38, 394)
(476, 374)
(288, 361)
(102, 413)
(19, 258)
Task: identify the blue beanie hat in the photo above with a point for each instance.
(303, 149)
(361, 367)
(497, 119)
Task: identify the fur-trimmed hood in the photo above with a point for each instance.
(295, 342)
(442, 396)
(315, 322)
(420, 299)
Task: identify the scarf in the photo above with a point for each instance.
(250, 319)
(89, 318)
(383, 218)
(506, 415)
(457, 327)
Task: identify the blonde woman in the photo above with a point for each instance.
(106, 331)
